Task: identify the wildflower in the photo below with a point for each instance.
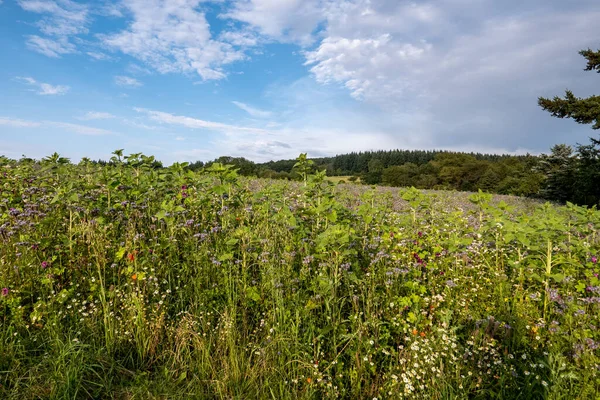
(415, 332)
(594, 259)
(44, 264)
(422, 334)
(309, 380)
(5, 291)
(134, 277)
(131, 256)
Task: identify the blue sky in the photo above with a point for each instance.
(192, 80)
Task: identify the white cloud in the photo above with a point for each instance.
(44, 89)
(60, 20)
(240, 38)
(286, 141)
(64, 9)
(141, 125)
(80, 129)
(367, 67)
(173, 36)
(47, 89)
(255, 112)
(110, 10)
(179, 138)
(90, 115)
(127, 81)
(195, 123)
(284, 20)
(99, 56)
(76, 128)
(18, 123)
(50, 47)
(137, 70)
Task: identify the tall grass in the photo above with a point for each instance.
(122, 281)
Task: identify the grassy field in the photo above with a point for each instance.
(342, 179)
(132, 283)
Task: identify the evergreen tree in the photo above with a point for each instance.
(560, 170)
(584, 111)
(583, 173)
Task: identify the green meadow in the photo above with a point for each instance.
(131, 282)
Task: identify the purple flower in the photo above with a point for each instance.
(594, 259)
(5, 291)
(44, 264)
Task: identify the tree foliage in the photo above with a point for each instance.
(582, 110)
(575, 176)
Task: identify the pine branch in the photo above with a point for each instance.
(593, 58)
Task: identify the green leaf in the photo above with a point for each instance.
(225, 257)
(412, 317)
(536, 277)
(252, 293)
(311, 305)
(231, 242)
(120, 253)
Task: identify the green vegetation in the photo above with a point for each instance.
(128, 280)
(575, 175)
(584, 111)
(442, 170)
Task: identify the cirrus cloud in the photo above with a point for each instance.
(127, 81)
(44, 89)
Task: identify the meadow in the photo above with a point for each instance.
(132, 282)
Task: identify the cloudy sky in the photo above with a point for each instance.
(268, 79)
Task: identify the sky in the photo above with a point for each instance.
(188, 80)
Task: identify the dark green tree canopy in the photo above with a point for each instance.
(582, 110)
(593, 58)
(574, 176)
